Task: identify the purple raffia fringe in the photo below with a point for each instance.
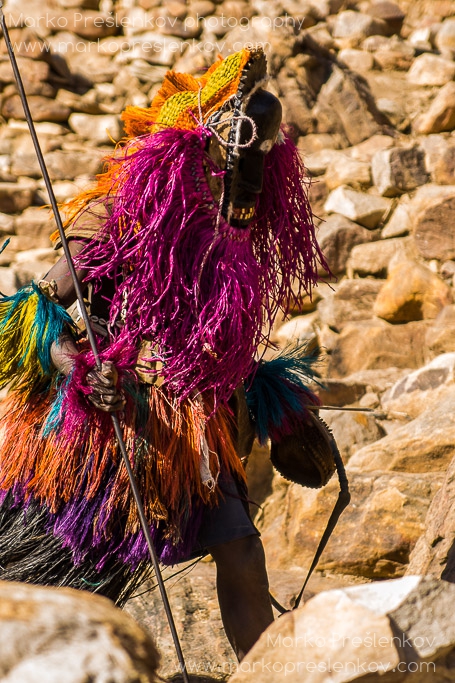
(78, 525)
(202, 293)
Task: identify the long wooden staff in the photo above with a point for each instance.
(92, 340)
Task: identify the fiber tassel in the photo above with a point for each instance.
(277, 394)
(29, 324)
(283, 231)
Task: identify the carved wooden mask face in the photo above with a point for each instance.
(246, 128)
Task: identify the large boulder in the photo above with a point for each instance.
(194, 604)
(374, 536)
(400, 630)
(68, 636)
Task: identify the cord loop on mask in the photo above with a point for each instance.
(211, 126)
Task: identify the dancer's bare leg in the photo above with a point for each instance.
(243, 591)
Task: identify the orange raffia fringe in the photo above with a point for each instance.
(165, 455)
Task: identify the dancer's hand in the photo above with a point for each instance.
(105, 392)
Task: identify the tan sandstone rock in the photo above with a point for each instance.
(375, 344)
(345, 106)
(34, 76)
(390, 54)
(378, 632)
(367, 210)
(356, 60)
(431, 241)
(400, 222)
(377, 257)
(373, 537)
(431, 70)
(62, 164)
(427, 387)
(42, 109)
(6, 224)
(15, 197)
(439, 158)
(347, 390)
(352, 300)
(301, 328)
(352, 430)
(318, 162)
(364, 151)
(99, 129)
(389, 12)
(426, 444)
(440, 337)
(434, 552)
(89, 24)
(194, 605)
(398, 170)
(348, 171)
(412, 292)
(337, 236)
(445, 37)
(353, 27)
(441, 114)
(8, 282)
(36, 223)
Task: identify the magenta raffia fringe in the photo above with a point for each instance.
(198, 287)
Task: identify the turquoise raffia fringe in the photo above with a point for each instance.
(278, 393)
(29, 324)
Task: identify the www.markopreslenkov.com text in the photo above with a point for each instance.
(284, 668)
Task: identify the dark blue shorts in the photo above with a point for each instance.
(228, 521)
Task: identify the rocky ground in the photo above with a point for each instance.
(368, 90)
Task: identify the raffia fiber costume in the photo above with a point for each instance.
(184, 298)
